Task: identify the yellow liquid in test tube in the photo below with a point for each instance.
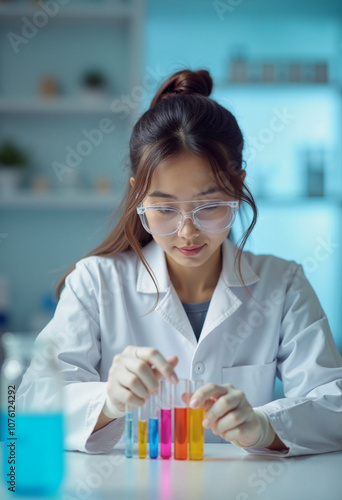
(142, 438)
(196, 433)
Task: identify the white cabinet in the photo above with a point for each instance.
(43, 233)
(47, 48)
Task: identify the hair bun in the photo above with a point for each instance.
(185, 82)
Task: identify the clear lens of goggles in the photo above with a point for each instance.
(165, 219)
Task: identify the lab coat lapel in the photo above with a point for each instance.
(222, 305)
(169, 305)
(155, 258)
(172, 310)
(224, 302)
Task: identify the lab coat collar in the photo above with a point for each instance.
(155, 257)
(229, 273)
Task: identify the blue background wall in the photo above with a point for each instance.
(38, 245)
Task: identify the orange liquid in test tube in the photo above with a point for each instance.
(181, 433)
(180, 411)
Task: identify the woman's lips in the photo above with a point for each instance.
(189, 251)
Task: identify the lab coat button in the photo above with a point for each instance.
(199, 368)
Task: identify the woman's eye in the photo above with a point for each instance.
(165, 211)
(208, 208)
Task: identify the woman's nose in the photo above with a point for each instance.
(188, 229)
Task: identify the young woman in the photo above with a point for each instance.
(168, 294)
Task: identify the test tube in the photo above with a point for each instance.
(153, 427)
(142, 431)
(129, 426)
(196, 431)
(165, 418)
(181, 399)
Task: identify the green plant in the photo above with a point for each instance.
(94, 79)
(12, 156)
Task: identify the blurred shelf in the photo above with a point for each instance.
(281, 86)
(298, 200)
(60, 105)
(107, 11)
(81, 200)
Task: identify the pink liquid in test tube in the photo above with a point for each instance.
(165, 434)
(165, 419)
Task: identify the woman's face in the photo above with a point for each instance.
(187, 177)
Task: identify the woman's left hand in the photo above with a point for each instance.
(228, 413)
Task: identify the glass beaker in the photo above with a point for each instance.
(31, 422)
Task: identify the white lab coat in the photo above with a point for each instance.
(281, 329)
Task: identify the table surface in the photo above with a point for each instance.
(225, 473)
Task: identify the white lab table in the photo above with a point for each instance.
(225, 473)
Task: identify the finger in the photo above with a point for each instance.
(205, 393)
(138, 383)
(173, 360)
(139, 377)
(243, 433)
(123, 396)
(186, 396)
(208, 404)
(230, 421)
(222, 406)
(162, 368)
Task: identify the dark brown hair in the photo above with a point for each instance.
(181, 119)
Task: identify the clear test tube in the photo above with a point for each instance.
(196, 430)
(180, 401)
(142, 430)
(153, 427)
(165, 400)
(129, 434)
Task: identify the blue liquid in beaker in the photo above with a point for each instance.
(35, 450)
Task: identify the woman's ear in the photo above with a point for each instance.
(131, 181)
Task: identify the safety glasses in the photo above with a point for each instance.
(164, 219)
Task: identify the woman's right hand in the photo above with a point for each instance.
(134, 376)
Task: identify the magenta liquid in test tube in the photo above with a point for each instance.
(165, 418)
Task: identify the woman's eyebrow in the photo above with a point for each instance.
(213, 189)
(160, 194)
